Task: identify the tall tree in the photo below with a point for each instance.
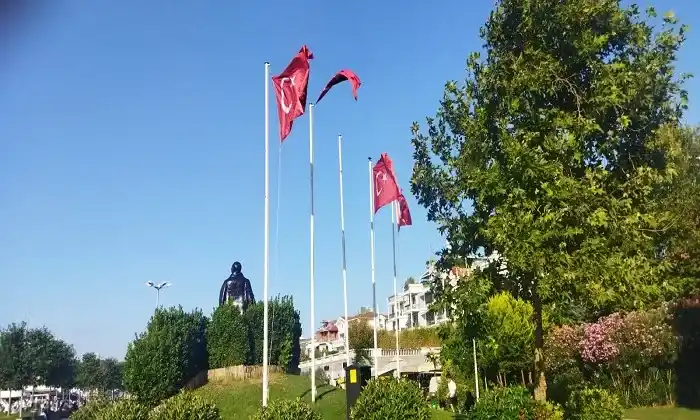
(15, 371)
(90, 375)
(548, 156)
(112, 371)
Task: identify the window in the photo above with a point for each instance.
(430, 318)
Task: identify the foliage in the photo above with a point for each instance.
(599, 344)
(125, 409)
(285, 332)
(387, 398)
(413, 338)
(15, 371)
(562, 348)
(593, 404)
(321, 377)
(90, 375)
(550, 157)
(632, 356)
(91, 410)
(186, 406)
(280, 409)
(509, 340)
(228, 338)
(160, 361)
(547, 411)
(34, 356)
(112, 373)
(361, 338)
(505, 403)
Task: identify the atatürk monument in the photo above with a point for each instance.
(237, 288)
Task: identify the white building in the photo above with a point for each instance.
(413, 302)
(330, 337)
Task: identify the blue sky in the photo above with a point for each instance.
(131, 149)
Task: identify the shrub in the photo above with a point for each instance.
(506, 403)
(285, 332)
(562, 348)
(321, 377)
(286, 410)
(599, 344)
(162, 360)
(228, 341)
(387, 398)
(126, 409)
(91, 410)
(186, 406)
(547, 411)
(593, 404)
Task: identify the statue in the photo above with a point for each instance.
(237, 288)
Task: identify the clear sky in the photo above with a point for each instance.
(131, 149)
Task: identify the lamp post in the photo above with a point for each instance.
(158, 287)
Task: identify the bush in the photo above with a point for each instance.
(186, 406)
(91, 410)
(547, 411)
(126, 409)
(506, 403)
(285, 332)
(593, 404)
(162, 360)
(228, 340)
(287, 410)
(387, 398)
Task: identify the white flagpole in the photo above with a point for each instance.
(311, 259)
(476, 372)
(266, 254)
(374, 284)
(342, 240)
(394, 216)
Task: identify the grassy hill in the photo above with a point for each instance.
(239, 400)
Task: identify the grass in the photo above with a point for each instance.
(240, 400)
(662, 413)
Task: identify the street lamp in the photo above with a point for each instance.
(158, 287)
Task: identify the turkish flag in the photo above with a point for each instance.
(386, 189)
(290, 89)
(339, 77)
(404, 215)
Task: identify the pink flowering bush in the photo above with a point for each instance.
(600, 340)
(561, 347)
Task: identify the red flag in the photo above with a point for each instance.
(404, 215)
(290, 89)
(386, 189)
(339, 77)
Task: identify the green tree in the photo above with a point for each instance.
(284, 325)
(549, 157)
(90, 375)
(361, 339)
(64, 366)
(507, 347)
(228, 338)
(15, 371)
(112, 373)
(172, 350)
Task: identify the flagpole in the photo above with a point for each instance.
(311, 253)
(396, 312)
(342, 240)
(266, 241)
(476, 371)
(374, 284)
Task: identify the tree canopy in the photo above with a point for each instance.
(551, 156)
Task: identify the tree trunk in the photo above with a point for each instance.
(541, 387)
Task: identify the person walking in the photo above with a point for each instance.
(452, 393)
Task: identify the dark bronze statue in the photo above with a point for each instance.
(237, 288)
